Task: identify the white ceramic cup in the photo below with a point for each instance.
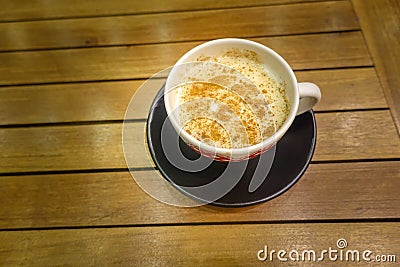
(301, 96)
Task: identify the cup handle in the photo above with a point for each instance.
(309, 95)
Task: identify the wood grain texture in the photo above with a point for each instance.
(180, 26)
(90, 102)
(39, 9)
(98, 216)
(218, 245)
(380, 21)
(341, 136)
(346, 89)
(356, 135)
(313, 51)
(342, 89)
(64, 147)
(326, 191)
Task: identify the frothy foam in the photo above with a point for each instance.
(226, 112)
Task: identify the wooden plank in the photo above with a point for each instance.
(346, 89)
(341, 136)
(142, 61)
(356, 135)
(200, 245)
(181, 26)
(326, 191)
(342, 89)
(380, 21)
(51, 103)
(64, 147)
(39, 10)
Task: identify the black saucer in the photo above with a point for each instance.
(293, 153)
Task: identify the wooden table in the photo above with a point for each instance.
(67, 72)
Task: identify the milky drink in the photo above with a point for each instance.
(228, 110)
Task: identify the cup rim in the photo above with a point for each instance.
(243, 151)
